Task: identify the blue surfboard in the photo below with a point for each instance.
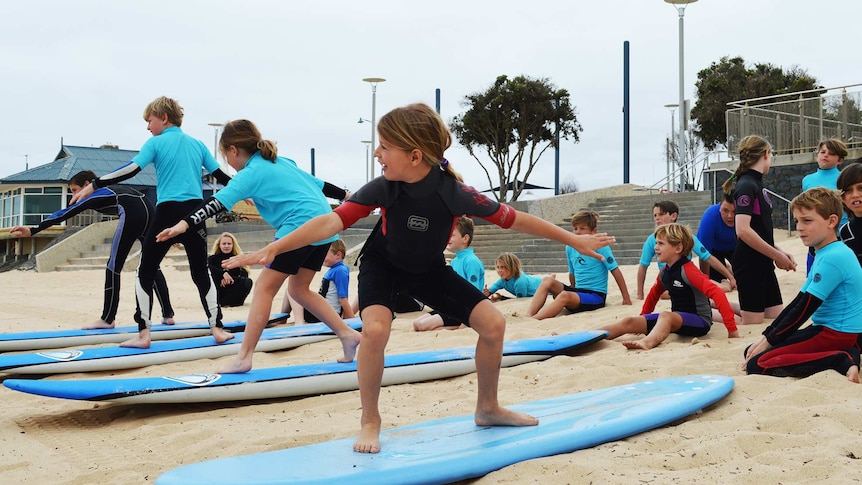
(161, 352)
(299, 380)
(54, 339)
(452, 449)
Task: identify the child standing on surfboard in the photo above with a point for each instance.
(689, 289)
(286, 197)
(420, 197)
(178, 160)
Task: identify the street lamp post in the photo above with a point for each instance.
(680, 8)
(670, 142)
(367, 144)
(216, 127)
(373, 81)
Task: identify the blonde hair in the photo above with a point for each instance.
(234, 252)
(418, 127)
(751, 150)
(164, 105)
(511, 263)
(245, 136)
(819, 199)
(338, 246)
(587, 218)
(676, 234)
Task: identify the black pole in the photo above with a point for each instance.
(437, 96)
(312, 161)
(557, 149)
(626, 107)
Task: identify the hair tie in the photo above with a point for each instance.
(444, 164)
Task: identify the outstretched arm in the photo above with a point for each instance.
(585, 244)
(317, 229)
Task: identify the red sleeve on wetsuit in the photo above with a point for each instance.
(653, 295)
(702, 283)
(504, 217)
(350, 212)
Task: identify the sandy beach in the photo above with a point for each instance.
(767, 431)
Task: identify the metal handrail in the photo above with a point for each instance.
(715, 192)
(794, 93)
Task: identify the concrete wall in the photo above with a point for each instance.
(84, 239)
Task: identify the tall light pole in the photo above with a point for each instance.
(670, 142)
(367, 144)
(216, 127)
(680, 8)
(373, 81)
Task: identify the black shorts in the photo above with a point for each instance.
(757, 287)
(440, 288)
(309, 257)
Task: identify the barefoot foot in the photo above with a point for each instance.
(168, 321)
(142, 341)
(368, 440)
(349, 345)
(638, 344)
(236, 366)
(853, 374)
(221, 335)
(504, 417)
(99, 324)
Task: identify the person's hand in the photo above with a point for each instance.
(226, 280)
(347, 196)
(755, 349)
(588, 243)
(82, 194)
(20, 231)
(734, 334)
(262, 257)
(485, 291)
(494, 297)
(172, 232)
(732, 282)
(785, 261)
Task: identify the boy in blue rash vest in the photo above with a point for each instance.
(286, 197)
(178, 160)
(830, 156)
(512, 279)
(756, 256)
(467, 265)
(334, 287)
(420, 197)
(588, 278)
(718, 236)
(690, 291)
(829, 297)
(666, 212)
(135, 213)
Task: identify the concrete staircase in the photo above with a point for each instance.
(628, 218)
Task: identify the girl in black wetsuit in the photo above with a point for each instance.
(135, 213)
(233, 285)
(420, 197)
(759, 293)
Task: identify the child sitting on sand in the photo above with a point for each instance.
(512, 279)
(829, 296)
(689, 291)
(588, 278)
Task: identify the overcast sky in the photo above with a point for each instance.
(83, 70)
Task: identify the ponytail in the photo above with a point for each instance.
(268, 149)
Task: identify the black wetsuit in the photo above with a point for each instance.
(135, 213)
(231, 295)
(406, 253)
(754, 272)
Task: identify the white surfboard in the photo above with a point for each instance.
(298, 380)
(161, 352)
